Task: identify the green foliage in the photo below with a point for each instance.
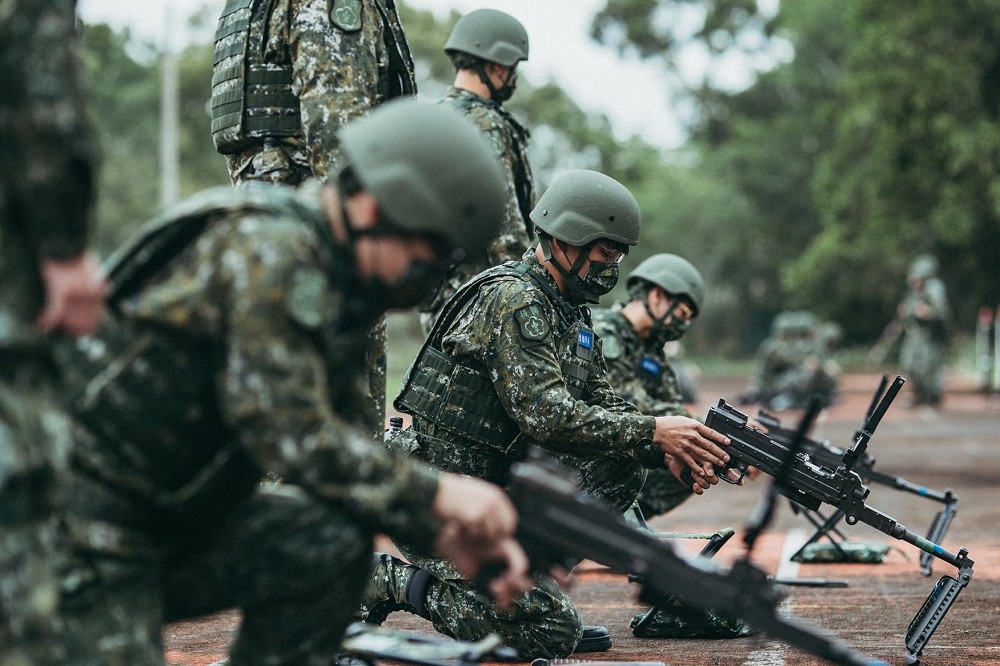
(877, 139)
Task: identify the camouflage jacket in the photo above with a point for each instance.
(238, 346)
(926, 311)
(47, 155)
(637, 370)
(543, 366)
(510, 141)
(346, 56)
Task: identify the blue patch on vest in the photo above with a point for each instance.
(585, 339)
(651, 366)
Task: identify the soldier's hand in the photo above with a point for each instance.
(689, 443)
(478, 526)
(74, 295)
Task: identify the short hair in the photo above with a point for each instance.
(463, 60)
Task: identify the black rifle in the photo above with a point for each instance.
(829, 456)
(559, 524)
(811, 485)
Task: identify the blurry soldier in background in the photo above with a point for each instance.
(925, 317)
(286, 77)
(486, 46)
(666, 292)
(513, 361)
(793, 365)
(234, 346)
(48, 284)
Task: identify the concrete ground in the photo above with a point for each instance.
(956, 447)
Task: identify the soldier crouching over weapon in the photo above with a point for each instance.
(560, 525)
(810, 485)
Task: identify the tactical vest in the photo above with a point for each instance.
(458, 395)
(148, 395)
(250, 99)
(253, 100)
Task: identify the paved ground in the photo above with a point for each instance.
(957, 447)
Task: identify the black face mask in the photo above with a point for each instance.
(663, 332)
(414, 286)
(505, 91)
(601, 276)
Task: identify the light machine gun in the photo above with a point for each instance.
(824, 454)
(810, 485)
(560, 525)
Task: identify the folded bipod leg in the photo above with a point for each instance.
(938, 530)
(935, 607)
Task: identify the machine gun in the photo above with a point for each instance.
(811, 485)
(560, 525)
(829, 456)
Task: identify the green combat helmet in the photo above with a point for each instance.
(431, 171)
(491, 35)
(584, 206)
(674, 274)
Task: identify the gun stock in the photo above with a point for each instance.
(560, 524)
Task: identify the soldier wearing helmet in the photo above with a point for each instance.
(925, 317)
(286, 77)
(793, 364)
(512, 361)
(486, 47)
(237, 337)
(666, 292)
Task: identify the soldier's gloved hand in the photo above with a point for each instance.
(689, 443)
(478, 523)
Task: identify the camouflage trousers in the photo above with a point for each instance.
(294, 566)
(543, 622)
(922, 360)
(33, 443)
(661, 493)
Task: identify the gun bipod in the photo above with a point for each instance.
(933, 610)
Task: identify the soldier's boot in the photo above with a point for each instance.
(595, 639)
(394, 586)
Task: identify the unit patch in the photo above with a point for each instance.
(346, 14)
(531, 323)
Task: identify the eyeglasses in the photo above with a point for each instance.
(609, 254)
(682, 310)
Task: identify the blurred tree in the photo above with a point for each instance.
(123, 79)
(859, 136)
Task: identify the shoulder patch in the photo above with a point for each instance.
(531, 322)
(345, 14)
(306, 299)
(497, 141)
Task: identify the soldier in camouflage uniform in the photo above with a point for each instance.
(925, 316)
(237, 326)
(287, 76)
(486, 47)
(793, 364)
(512, 361)
(48, 283)
(666, 292)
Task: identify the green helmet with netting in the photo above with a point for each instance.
(432, 172)
(491, 35)
(584, 206)
(674, 274)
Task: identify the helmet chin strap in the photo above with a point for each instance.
(546, 244)
(498, 95)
